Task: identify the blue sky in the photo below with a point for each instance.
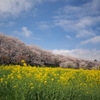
(64, 26)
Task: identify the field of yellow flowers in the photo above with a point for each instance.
(42, 83)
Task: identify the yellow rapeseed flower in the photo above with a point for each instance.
(1, 80)
(14, 86)
(24, 64)
(52, 79)
(19, 77)
(31, 83)
(22, 61)
(45, 82)
(32, 87)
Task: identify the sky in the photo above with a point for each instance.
(68, 27)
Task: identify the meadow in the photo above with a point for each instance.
(44, 83)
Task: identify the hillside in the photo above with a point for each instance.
(13, 50)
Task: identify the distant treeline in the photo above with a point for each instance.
(13, 50)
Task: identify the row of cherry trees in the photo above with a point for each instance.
(12, 51)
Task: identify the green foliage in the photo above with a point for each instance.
(39, 83)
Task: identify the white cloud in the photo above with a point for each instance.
(95, 39)
(43, 25)
(69, 37)
(84, 22)
(79, 19)
(14, 7)
(63, 52)
(85, 33)
(80, 53)
(8, 24)
(25, 32)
